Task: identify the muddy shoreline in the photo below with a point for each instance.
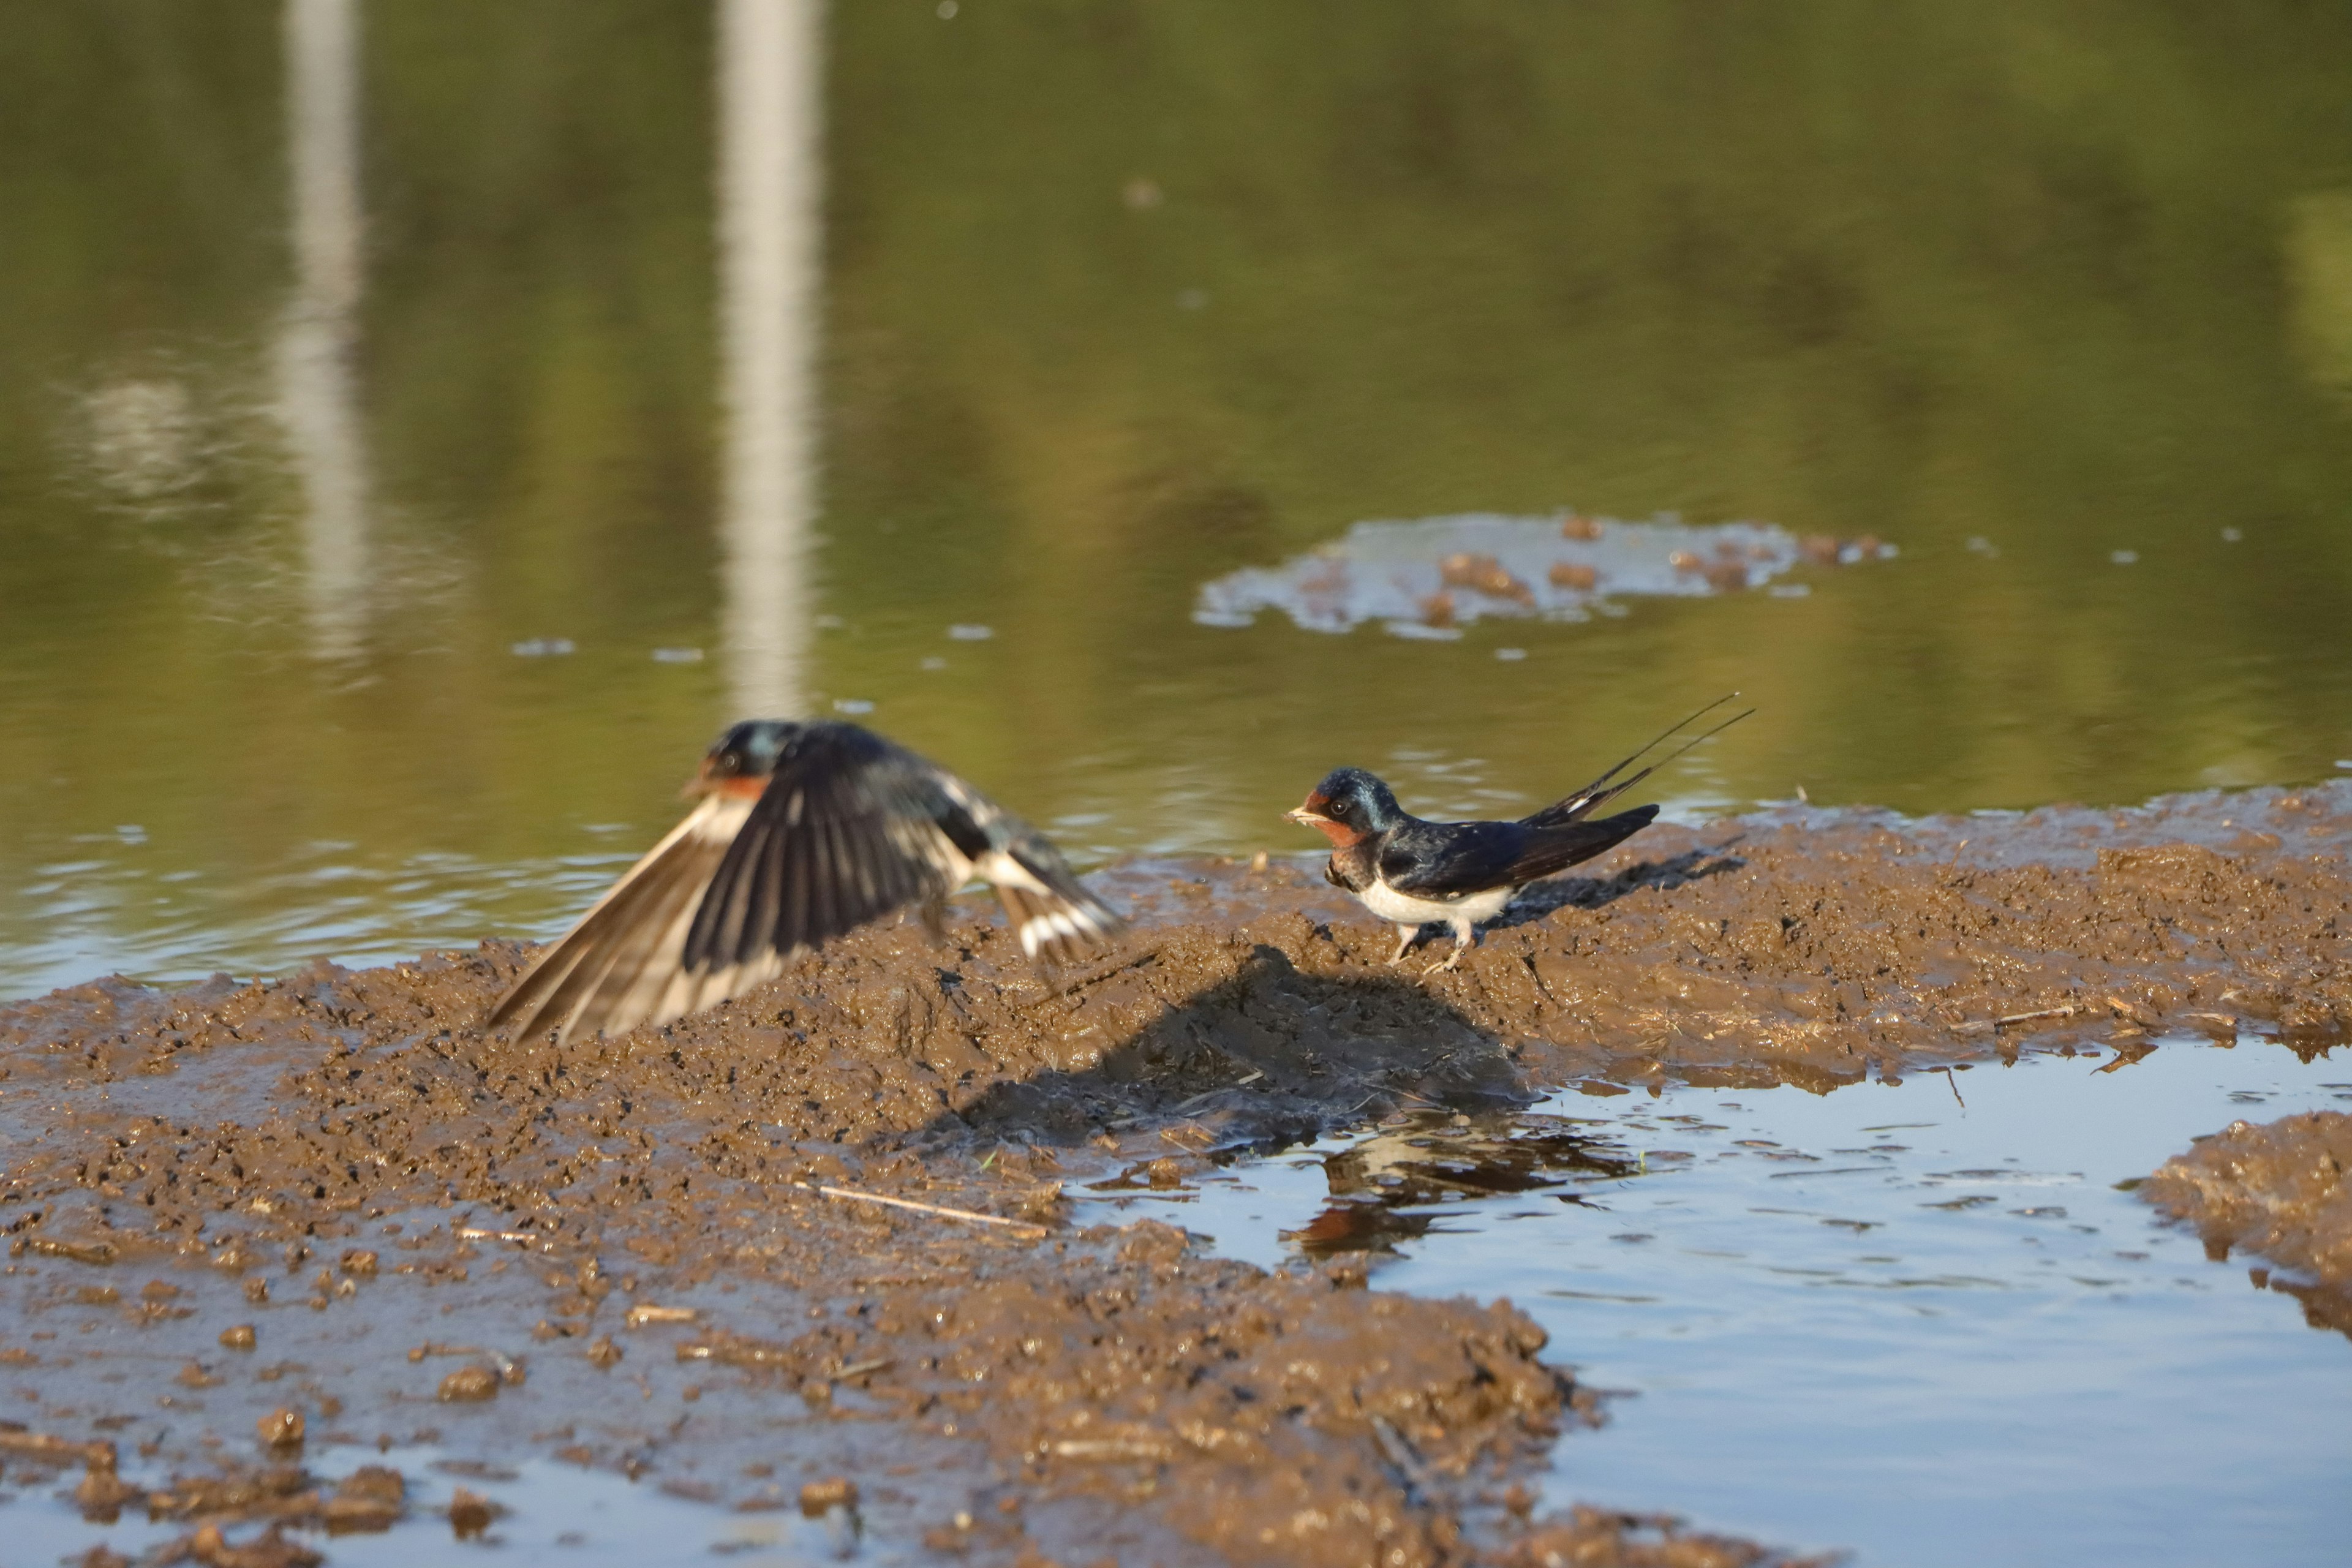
(621, 1253)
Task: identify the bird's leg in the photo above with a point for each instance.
(1406, 937)
(1465, 936)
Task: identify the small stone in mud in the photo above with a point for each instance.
(257, 1289)
(603, 1353)
(470, 1514)
(1574, 575)
(1575, 527)
(467, 1384)
(281, 1428)
(359, 1263)
(238, 1338)
(1165, 1172)
(816, 1497)
(193, 1376)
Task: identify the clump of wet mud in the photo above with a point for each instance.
(2277, 1191)
(327, 1208)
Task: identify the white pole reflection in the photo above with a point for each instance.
(771, 86)
(318, 396)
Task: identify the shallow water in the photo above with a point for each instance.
(549, 1513)
(419, 433)
(1879, 1318)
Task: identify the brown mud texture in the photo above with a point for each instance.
(328, 1197)
(2277, 1191)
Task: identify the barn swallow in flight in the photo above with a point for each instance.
(804, 832)
(1416, 873)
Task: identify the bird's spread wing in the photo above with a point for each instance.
(620, 964)
(848, 829)
(1455, 859)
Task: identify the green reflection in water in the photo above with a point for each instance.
(1118, 297)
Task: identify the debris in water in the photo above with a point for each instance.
(1428, 577)
(543, 647)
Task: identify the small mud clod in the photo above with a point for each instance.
(468, 1384)
(360, 1264)
(471, 1514)
(210, 1548)
(257, 1289)
(369, 1499)
(603, 1353)
(238, 1338)
(101, 1494)
(281, 1428)
(838, 1492)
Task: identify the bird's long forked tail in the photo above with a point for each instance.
(1600, 791)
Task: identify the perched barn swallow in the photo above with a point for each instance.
(805, 832)
(1462, 874)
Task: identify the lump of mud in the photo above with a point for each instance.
(2278, 1191)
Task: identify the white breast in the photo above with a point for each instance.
(1404, 908)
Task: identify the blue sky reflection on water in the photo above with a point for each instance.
(1877, 1318)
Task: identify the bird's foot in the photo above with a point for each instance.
(1406, 937)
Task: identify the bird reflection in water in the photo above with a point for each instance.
(1386, 1189)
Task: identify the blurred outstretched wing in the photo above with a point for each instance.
(848, 829)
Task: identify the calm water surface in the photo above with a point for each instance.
(421, 429)
(1933, 1332)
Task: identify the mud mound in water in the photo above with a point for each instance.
(2277, 1191)
(331, 1195)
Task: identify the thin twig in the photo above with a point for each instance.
(2066, 1011)
(852, 1196)
(1956, 1087)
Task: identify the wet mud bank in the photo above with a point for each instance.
(328, 1196)
(2277, 1191)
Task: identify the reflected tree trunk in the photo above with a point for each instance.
(318, 394)
(769, 87)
